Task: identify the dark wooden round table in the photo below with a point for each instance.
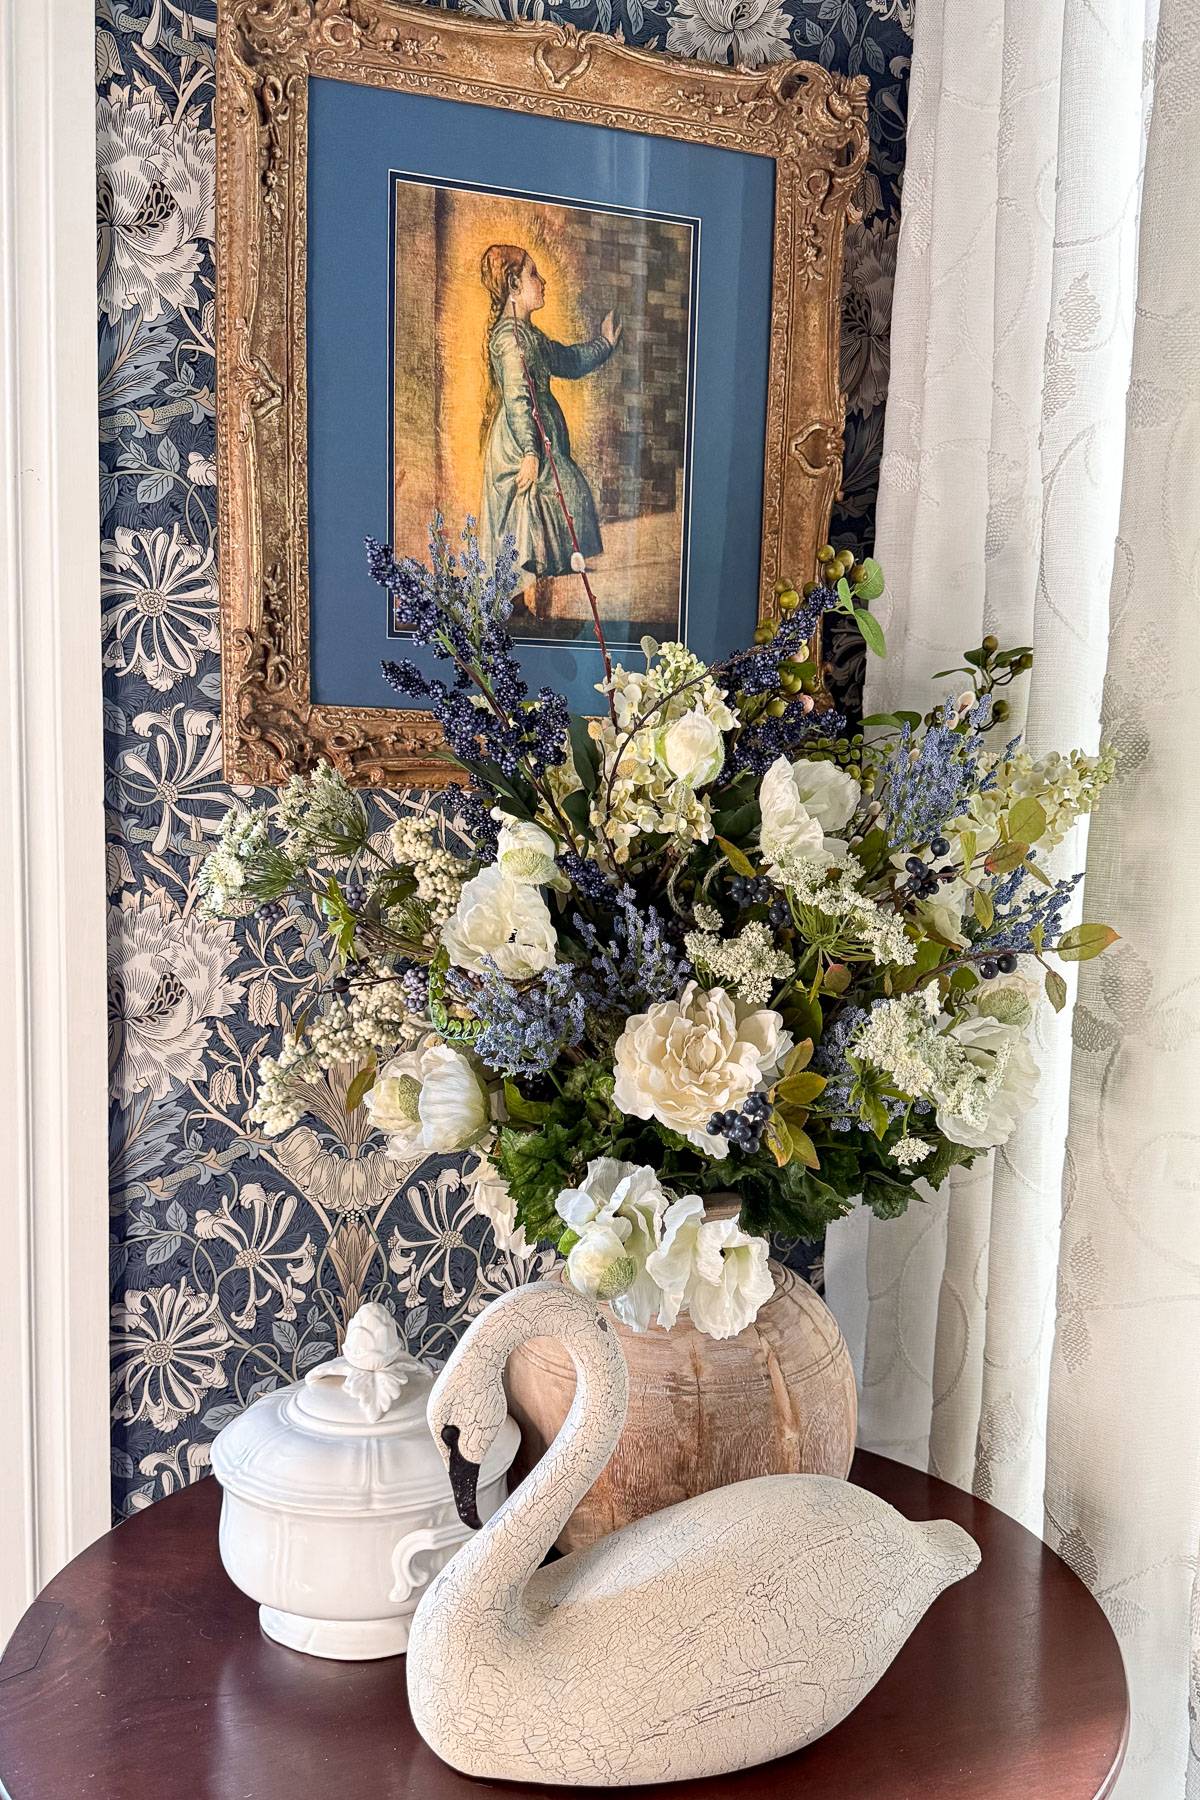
(140, 1674)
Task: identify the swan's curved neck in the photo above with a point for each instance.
(513, 1543)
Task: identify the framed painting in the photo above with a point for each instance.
(443, 244)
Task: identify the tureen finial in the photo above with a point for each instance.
(373, 1366)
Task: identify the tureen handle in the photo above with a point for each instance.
(405, 1579)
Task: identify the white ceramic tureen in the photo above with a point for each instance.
(337, 1508)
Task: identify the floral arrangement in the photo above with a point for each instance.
(707, 941)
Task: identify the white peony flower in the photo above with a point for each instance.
(431, 1098)
(692, 748)
(800, 803)
(686, 1059)
(617, 1212)
(502, 921)
(491, 1196)
(525, 853)
(711, 1269)
(1008, 1079)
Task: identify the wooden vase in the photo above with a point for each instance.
(778, 1399)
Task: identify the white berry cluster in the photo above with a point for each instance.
(439, 873)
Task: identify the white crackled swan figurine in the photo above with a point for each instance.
(724, 1631)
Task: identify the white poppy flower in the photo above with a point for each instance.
(616, 1210)
(800, 802)
(429, 1099)
(710, 1269)
(491, 1196)
(498, 920)
(525, 853)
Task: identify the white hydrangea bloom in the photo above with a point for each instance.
(1064, 786)
(649, 772)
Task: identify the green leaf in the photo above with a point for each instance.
(897, 718)
(737, 860)
(872, 631)
(585, 752)
(577, 807)
(1082, 942)
(871, 585)
(799, 1090)
(843, 593)
(803, 1149)
(798, 1057)
(985, 912)
(1027, 821)
(946, 1156)
(361, 1086)
(968, 843)
(872, 849)
(520, 1110)
(779, 1141)
(738, 821)
(1006, 857)
(1056, 989)
(803, 1019)
(885, 1195)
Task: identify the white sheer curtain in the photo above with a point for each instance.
(1032, 1332)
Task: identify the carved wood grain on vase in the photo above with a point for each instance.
(779, 1399)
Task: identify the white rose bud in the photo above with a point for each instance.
(691, 748)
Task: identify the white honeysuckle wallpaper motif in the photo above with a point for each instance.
(236, 1259)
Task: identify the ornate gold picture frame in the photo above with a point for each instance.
(809, 122)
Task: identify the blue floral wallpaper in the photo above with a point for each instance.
(236, 1258)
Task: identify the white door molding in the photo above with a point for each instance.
(53, 1061)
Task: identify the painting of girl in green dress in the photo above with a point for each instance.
(531, 481)
(539, 343)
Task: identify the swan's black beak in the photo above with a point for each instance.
(464, 1480)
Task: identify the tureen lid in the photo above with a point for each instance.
(351, 1437)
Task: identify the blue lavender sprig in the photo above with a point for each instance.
(919, 793)
(1019, 908)
(638, 966)
(528, 1027)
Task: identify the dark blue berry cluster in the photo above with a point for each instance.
(750, 890)
(923, 879)
(587, 877)
(459, 609)
(744, 1129)
(991, 966)
(747, 891)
